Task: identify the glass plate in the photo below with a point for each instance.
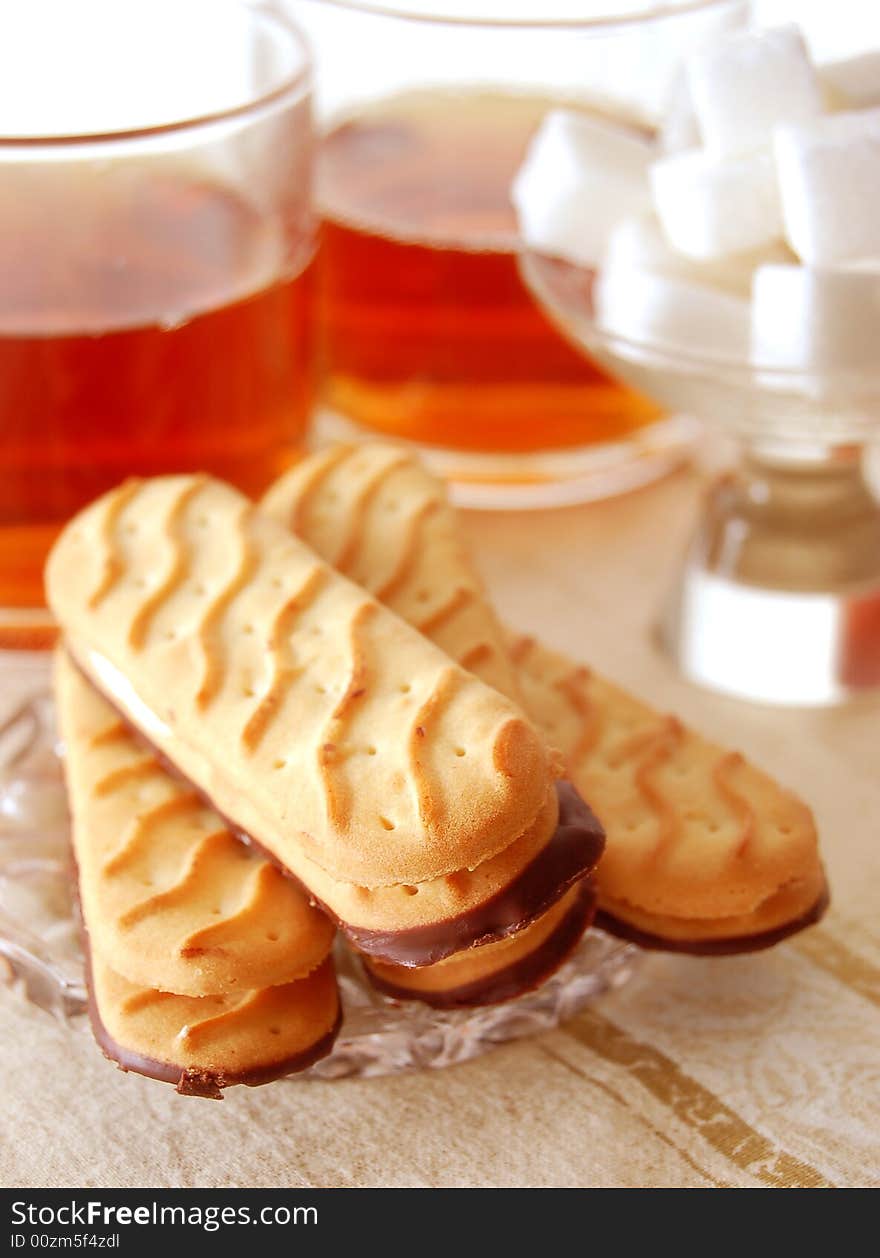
(40, 950)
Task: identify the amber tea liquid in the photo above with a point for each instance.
(427, 330)
(144, 327)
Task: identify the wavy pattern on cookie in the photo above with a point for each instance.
(113, 563)
(285, 669)
(461, 599)
(247, 920)
(176, 571)
(410, 557)
(137, 770)
(317, 469)
(374, 512)
(114, 732)
(209, 636)
(646, 752)
(358, 515)
(140, 833)
(166, 891)
(338, 790)
(737, 800)
(198, 866)
(426, 718)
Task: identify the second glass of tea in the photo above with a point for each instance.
(428, 333)
(156, 239)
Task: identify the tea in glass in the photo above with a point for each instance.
(156, 255)
(427, 331)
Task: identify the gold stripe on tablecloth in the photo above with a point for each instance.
(705, 1114)
(833, 956)
(652, 1128)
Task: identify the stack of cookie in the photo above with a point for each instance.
(416, 805)
(285, 719)
(206, 966)
(705, 853)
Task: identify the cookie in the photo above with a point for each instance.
(203, 1044)
(169, 935)
(312, 717)
(705, 852)
(498, 971)
(800, 903)
(703, 849)
(165, 889)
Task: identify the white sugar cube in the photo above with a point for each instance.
(638, 243)
(673, 314)
(815, 321)
(829, 180)
(832, 28)
(854, 82)
(579, 177)
(710, 208)
(749, 82)
(678, 127)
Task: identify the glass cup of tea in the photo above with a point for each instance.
(427, 330)
(156, 246)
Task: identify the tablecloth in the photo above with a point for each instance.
(750, 1071)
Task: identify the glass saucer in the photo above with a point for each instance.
(778, 598)
(41, 956)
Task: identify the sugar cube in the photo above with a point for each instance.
(638, 243)
(709, 208)
(744, 85)
(831, 28)
(580, 175)
(829, 180)
(672, 314)
(678, 128)
(853, 82)
(815, 321)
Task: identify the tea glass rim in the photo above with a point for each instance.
(601, 24)
(295, 84)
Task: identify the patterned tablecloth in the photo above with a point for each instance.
(759, 1070)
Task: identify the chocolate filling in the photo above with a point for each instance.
(571, 852)
(513, 980)
(714, 947)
